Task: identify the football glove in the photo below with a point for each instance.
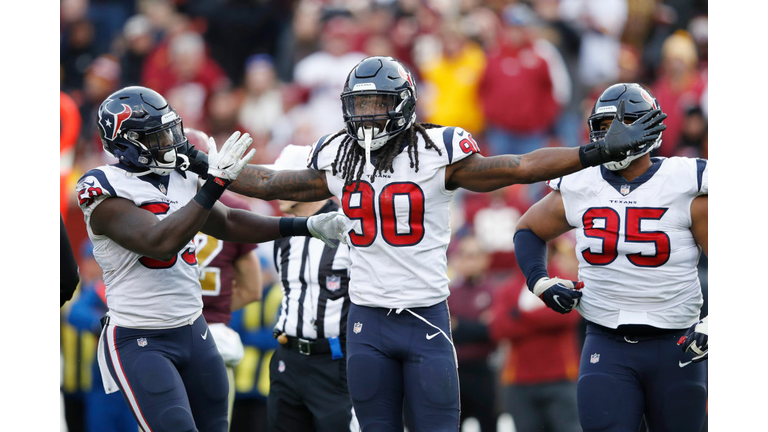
(695, 340)
(560, 295)
(329, 226)
(622, 138)
(227, 163)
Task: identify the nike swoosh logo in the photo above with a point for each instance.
(682, 365)
(555, 298)
(429, 336)
(205, 336)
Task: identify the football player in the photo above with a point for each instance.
(395, 178)
(142, 215)
(641, 225)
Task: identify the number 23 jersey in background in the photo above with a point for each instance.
(637, 256)
(401, 222)
(142, 291)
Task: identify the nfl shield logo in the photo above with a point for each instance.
(594, 358)
(281, 366)
(162, 189)
(142, 342)
(624, 189)
(358, 327)
(333, 283)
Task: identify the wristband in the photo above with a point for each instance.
(294, 226)
(211, 192)
(592, 154)
(531, 255)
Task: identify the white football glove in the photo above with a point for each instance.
(227, 163)
(696, 340)
(330, 226)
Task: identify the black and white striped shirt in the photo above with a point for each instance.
(315, 280)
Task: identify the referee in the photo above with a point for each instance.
(308, 371)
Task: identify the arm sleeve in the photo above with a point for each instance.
(531, 255)
(69, 276)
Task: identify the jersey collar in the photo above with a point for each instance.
(625, 187)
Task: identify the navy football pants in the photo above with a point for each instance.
(172, 379)
(621, 379)
(396, 355)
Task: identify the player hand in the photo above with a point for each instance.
(622, 138)
(328, 227)
(227, 163)
(696, 341)
(558, 294)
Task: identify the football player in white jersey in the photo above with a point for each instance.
(395, 179)
(142, 214)
(641, 225)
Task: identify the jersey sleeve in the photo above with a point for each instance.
(702, 175)
(321, 156)
(555, 183)
(92, 189)
(458, 144)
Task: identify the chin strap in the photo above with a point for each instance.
(368, 132)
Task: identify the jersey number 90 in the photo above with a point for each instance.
(397, 228)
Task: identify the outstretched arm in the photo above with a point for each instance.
(294, 185)
(482, 174)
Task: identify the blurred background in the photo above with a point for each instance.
(518, 75)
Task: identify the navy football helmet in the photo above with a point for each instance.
(637, 102)
(139, 128)
(379, 97)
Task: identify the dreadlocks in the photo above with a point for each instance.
(350, 157)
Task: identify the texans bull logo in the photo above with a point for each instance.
(111, 118)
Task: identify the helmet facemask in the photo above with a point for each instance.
(159, 148)
(596, 134)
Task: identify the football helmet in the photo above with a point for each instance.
(378, 100)
(637, 102)
(139, 128)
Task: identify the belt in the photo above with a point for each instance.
(634, 333)
(309, 346)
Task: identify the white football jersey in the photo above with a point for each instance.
(143, 292)
(637, 256)
(401, 222)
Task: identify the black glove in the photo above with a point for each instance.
(622, 138)
(560, 295)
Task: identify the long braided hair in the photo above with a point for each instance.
(350, 157)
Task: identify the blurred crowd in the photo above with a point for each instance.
(518, 75)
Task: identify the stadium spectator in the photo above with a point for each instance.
(524, 86)
(400, 263)
(182, 69)
(451, 79)
(323, 73)
(68, 272)
(679, 87)
(263, 104)
(640, 291)
(140, 39)
(542, 360)
(472, 289)
(78, 51)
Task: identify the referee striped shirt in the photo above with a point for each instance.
(315, 280)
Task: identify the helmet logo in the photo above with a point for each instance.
(648, 98)
(405, 75)
(117, 120)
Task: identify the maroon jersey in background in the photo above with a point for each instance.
(216, 260)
